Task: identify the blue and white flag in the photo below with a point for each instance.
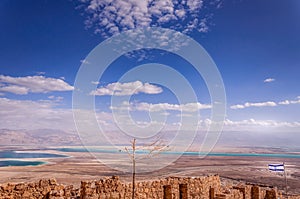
(276, 167)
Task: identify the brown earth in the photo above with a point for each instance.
(83, 166)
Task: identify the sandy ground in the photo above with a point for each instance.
(83, 166)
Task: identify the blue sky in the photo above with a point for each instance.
(255, 45)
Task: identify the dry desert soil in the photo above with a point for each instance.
(80, 166)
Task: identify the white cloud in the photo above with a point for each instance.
(40, 73)
(27, 114)
(32, 84)
(180, 13)
(258, 104)
(288, 102)
(285, 102)
(113, 16)
(51, 97)
(84, 61)
(129, 88)
(262, 123)
(55, 98)
(95, 82)
(268, 80)
(203, 27)
(265, 104)
(143, 106)
(184, 115)
(194, 4)
(125, 106)
(43, 114)
(19, 90)
(252, 124)
(237, 106)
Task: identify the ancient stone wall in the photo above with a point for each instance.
(208, 187)
(113, 188)
(42, 189)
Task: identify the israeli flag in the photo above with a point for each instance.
(276, 167)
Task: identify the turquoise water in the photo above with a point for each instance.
(269, 155)
(13, 155)
(6, 163)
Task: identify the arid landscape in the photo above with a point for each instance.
(198, 93)
(234, 164)
(83, 166)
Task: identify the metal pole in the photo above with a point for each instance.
(133, 168)
(285, 179)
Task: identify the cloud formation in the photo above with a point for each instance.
(253, 125)
(114, 16)
(288, 102)
(257, 104)
(41, 114)
(265, 104)
(32, 84)
(45, 114)
(260, 123)
(268, 80)
(84, 61)
(189, 107)
(129, 88)
(27, 114)
(144, 106)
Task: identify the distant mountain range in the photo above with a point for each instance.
(284, 140)
(288, 141)
(40, 137)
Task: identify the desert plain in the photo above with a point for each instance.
(78, 166)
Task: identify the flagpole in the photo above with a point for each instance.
(285, 178)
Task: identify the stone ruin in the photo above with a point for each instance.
(208, 187)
